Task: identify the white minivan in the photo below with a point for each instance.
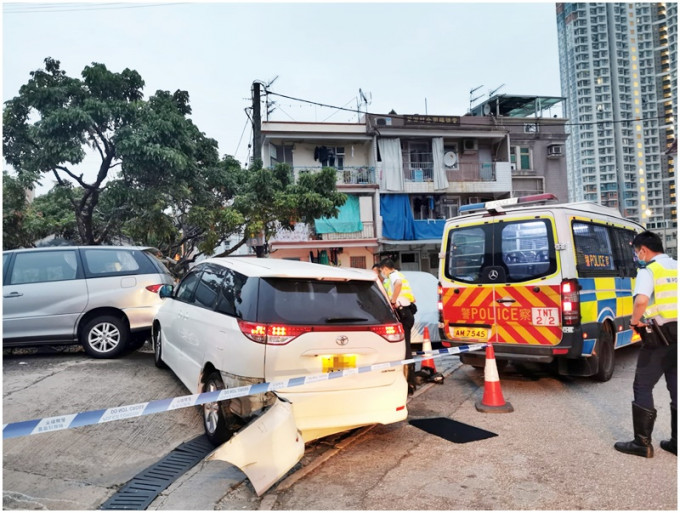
(235, 321)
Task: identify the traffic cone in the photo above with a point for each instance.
(492, 400)
(428, 371)
(427, 347)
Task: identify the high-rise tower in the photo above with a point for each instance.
(618, 69)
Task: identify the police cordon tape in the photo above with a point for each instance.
(88, 418)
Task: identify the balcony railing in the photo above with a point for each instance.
(348, 175)
(466, 172)
(367, 233)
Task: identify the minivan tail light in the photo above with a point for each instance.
(571, 303)
(273, 334)
(390, 332)
(154, 288)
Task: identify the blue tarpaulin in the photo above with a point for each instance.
(398, 222)
(348, 220)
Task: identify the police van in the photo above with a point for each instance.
(542, 283)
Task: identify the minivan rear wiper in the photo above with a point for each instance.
(346, 319)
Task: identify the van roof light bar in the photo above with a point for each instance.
(496, 206)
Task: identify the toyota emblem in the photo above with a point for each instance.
(493, 275)
(342, 340)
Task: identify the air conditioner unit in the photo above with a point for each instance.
(469, 145)
(513, 166)
(555, 150)
(383, 121)
(530, 128)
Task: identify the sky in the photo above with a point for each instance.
(414, 58)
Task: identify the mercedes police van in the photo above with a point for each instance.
(540, 282)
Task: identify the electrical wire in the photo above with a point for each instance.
(25, 8)
(506, 121)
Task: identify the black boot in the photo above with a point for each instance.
(643, 424)
(672, 444)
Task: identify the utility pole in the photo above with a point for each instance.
(257, 124)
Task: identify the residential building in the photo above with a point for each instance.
(406, 174)
(618, 69)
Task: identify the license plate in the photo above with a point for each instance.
(338, 362)
(545, 317)
(476, 333)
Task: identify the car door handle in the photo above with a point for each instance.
(506, 300)
(13, 294)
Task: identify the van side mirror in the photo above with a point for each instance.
(166, 291)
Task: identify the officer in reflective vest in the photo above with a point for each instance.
(655, 297)
(402, 299)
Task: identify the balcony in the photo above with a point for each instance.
(367, 233)
(348, 175)
(422, 171)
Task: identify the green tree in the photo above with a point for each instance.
(159, 180)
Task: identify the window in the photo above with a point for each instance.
(520, 157)
(185, 290)
(237, 295)
(594, 252)
(99, 262)
(358, 262)
(208, 287)
(44, 266)
(526, 250)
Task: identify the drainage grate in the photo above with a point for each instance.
(142, 489)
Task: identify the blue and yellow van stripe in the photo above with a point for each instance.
(607, 298)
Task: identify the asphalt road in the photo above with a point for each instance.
(553, 452)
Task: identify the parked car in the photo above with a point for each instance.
(424, 286)
(102, 297)
(238, 321)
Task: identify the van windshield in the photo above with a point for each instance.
(515, 250)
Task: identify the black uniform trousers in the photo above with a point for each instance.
(654, 362)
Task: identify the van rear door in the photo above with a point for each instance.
(501, 282)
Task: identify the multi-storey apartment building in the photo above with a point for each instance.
(406, 174)
(618, 69)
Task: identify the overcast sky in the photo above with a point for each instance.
(410, 57)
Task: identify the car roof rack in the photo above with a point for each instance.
(497, 206)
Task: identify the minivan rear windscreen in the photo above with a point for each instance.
(314, 302)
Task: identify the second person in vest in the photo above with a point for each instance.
(402, 299)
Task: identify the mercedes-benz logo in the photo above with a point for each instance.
(342, 340)
(493, 275)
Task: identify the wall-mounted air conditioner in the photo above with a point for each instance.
(469, 145)
(383, 121)
(555, 150)
(530, 128)
(513, 166)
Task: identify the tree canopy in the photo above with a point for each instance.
(156, 179)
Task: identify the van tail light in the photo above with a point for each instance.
(154, 288)
(440, 302)
(571, 304)
(390, 332)
(272, 334)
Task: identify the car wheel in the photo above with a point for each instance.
(158, 347)
(219, 423)
(105, 337)
(604, 347)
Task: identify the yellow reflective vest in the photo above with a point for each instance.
(665, 293)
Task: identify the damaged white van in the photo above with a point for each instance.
(233, 322)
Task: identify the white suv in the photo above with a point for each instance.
(238, 321)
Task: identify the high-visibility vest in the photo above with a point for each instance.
(405, 291)
(665, 293)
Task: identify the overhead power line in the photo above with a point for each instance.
(506, 120)
(30, 8)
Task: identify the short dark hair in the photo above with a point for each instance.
(650, 240)
(376, 266)
(387, 262)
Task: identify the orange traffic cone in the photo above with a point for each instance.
(427, 347)
(492, 400)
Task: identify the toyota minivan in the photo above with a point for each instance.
(238, 321)
(102, 297)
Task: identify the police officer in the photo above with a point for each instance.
(402, 299)
(656, 297)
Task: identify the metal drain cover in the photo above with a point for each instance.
(142, 489)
